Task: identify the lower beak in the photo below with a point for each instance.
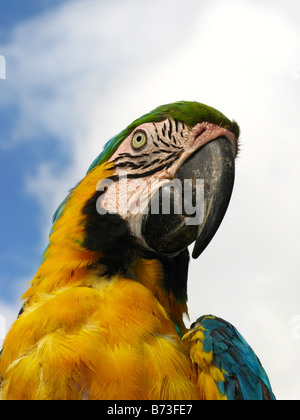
(212, 168)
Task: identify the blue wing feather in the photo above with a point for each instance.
(245, 378)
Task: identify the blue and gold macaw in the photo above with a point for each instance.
(103, 317)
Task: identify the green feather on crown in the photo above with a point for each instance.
(190, 113)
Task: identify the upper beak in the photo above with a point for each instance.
(216, 161)
(173, 232)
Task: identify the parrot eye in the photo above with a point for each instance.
(139, 140)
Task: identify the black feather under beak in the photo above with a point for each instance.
(180, 215)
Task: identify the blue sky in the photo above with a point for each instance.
(14, 13)
(79, 71)
(20, 214)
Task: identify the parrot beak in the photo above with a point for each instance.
(210, 173)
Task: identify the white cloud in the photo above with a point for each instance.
(85, 70)
(8, 314)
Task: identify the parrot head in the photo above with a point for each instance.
(161, 184)
(173, 177)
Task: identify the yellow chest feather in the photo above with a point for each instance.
(111, 342)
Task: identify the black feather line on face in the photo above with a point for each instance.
(140, 162)
(143, 163)
(170, 129)
(129, 156)
(147, 173)
(163, 142)
(148, 165)
(176, 125)
(129, 164)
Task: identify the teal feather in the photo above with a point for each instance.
(245, 378)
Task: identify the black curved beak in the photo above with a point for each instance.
(197, 208)
(217, 170)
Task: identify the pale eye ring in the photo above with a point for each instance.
(139, 140)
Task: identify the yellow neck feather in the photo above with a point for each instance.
(67, 263)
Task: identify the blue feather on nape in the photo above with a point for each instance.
(245, 378)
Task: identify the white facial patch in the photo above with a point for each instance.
(140, 171)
